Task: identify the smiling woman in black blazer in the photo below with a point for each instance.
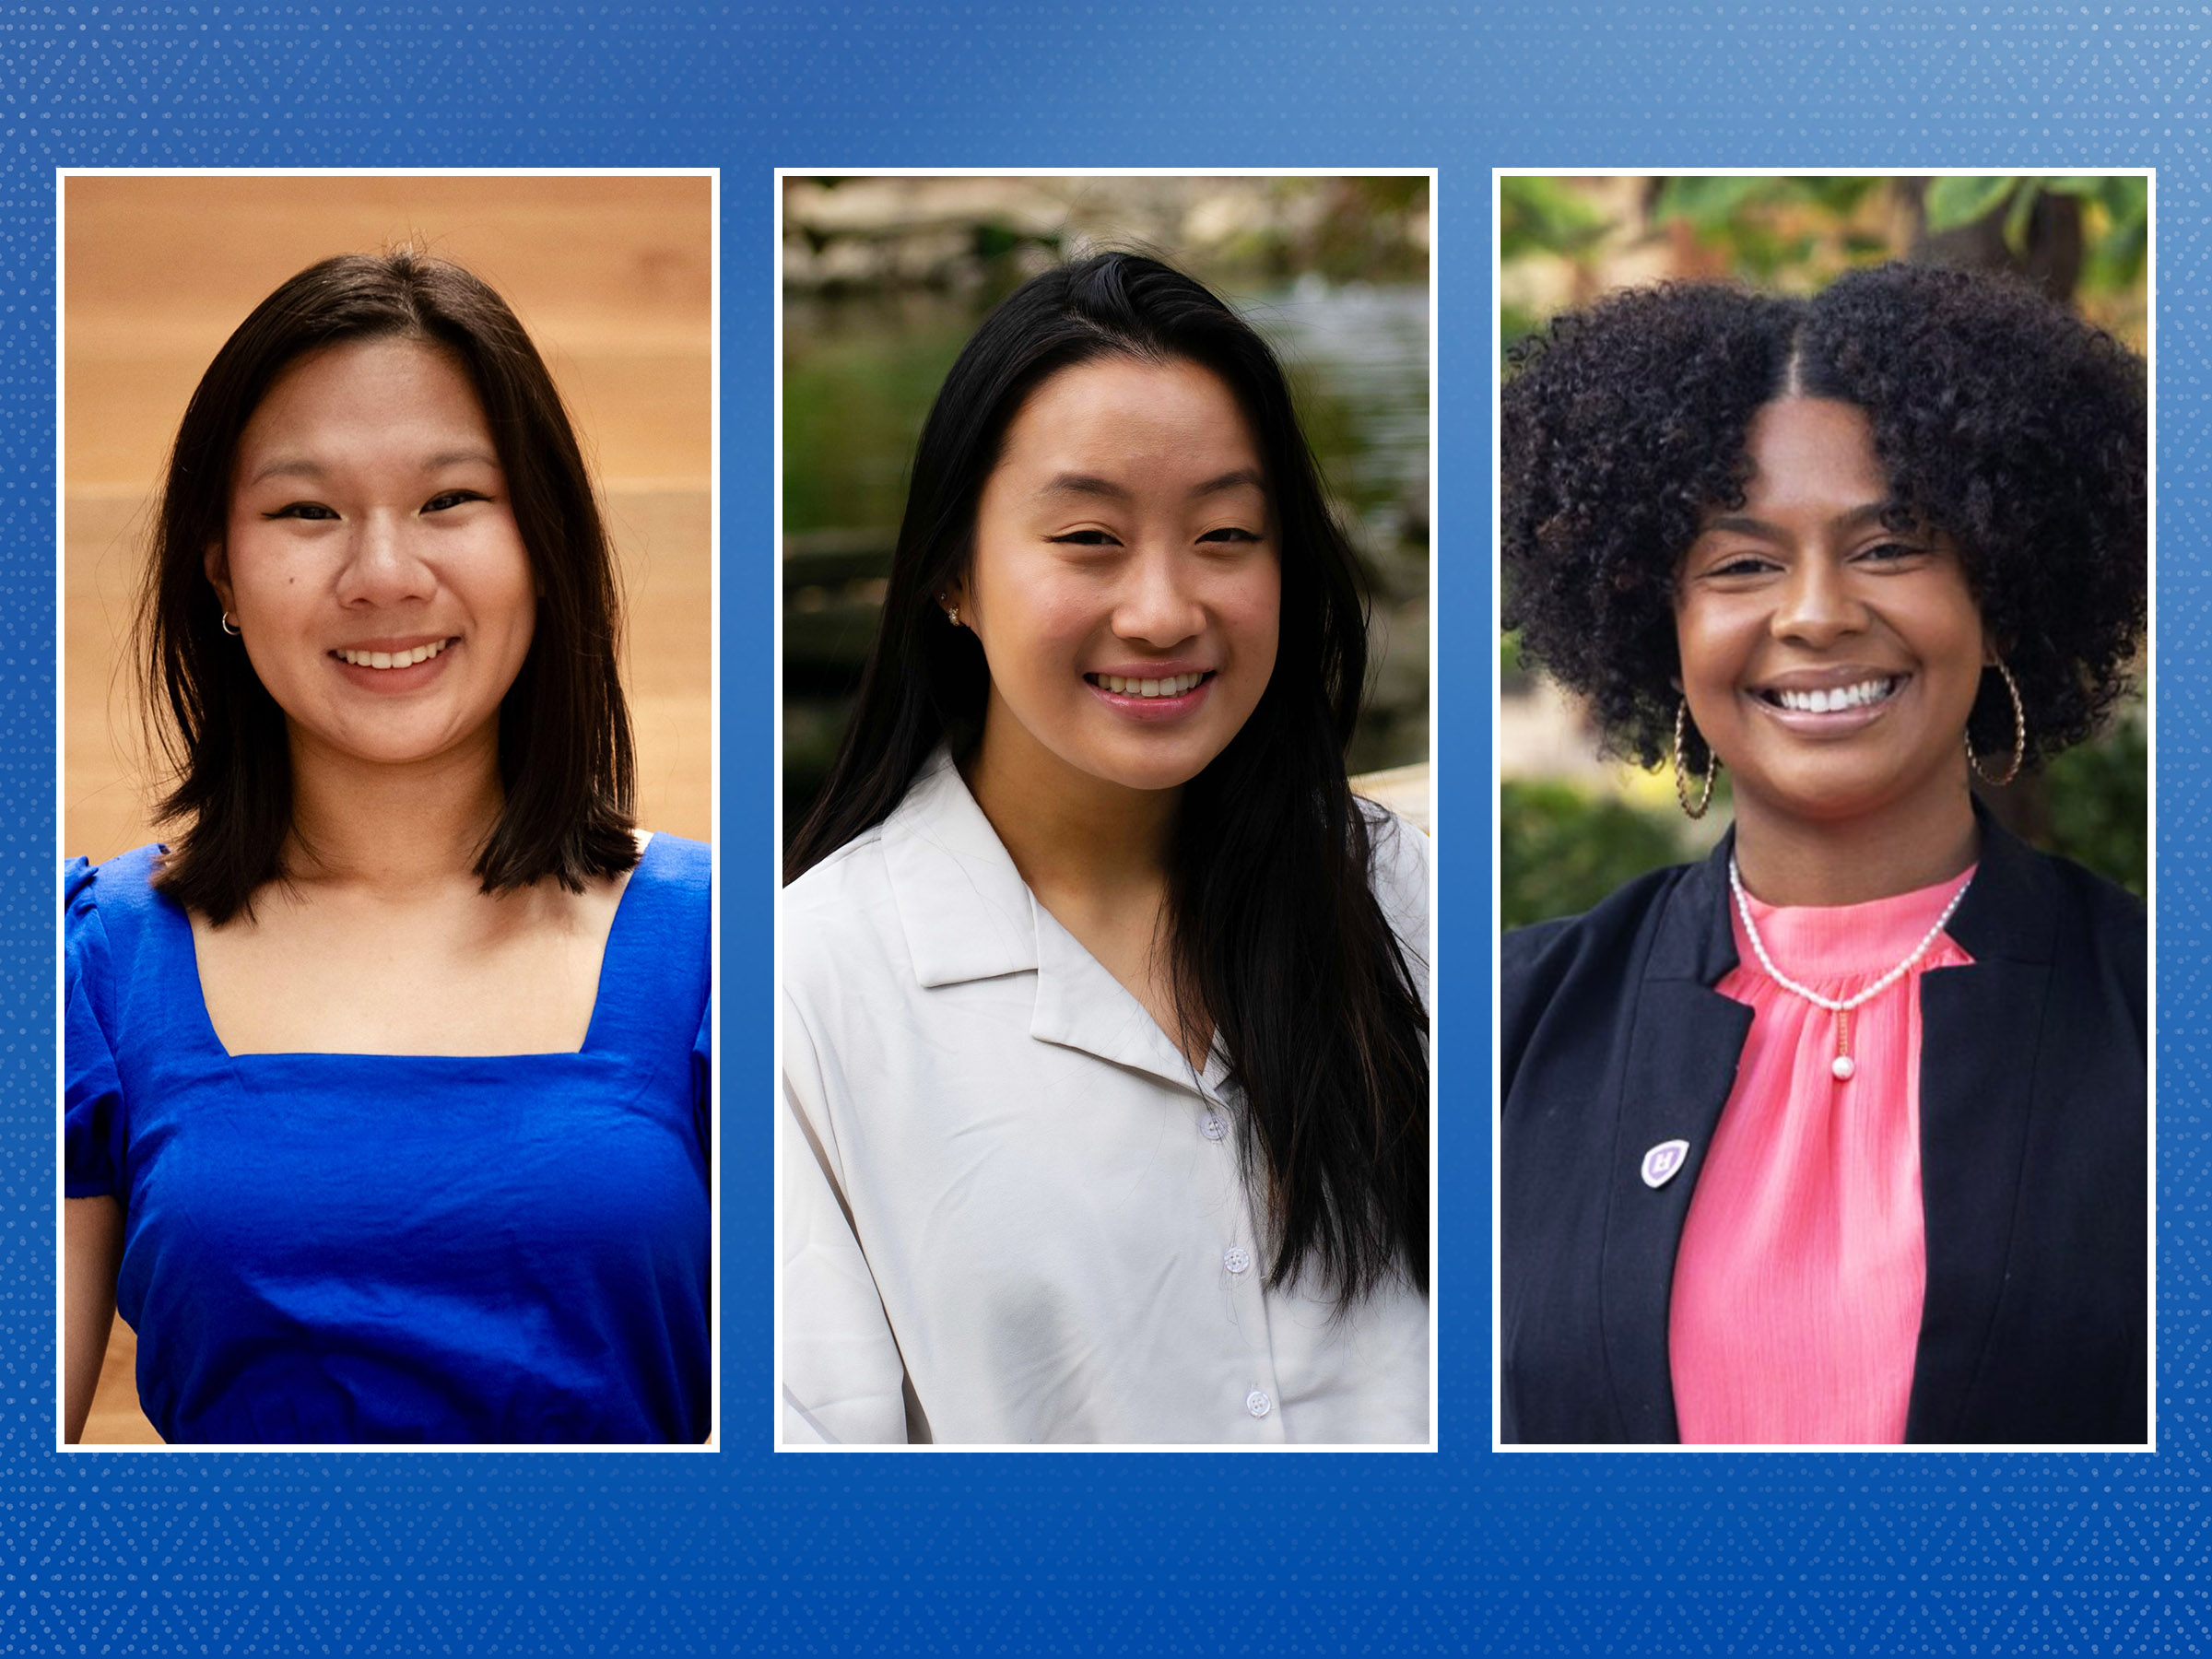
(1839, 1136)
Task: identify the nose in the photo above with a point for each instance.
(1158, 603)
(382, 564)
(1816, 606)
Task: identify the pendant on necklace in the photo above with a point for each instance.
(1843, 1065)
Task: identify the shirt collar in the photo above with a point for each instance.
(961, 902)
(967, 915)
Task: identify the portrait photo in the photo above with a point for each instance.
(1822, 745)
(387, 809)
(1104, 943)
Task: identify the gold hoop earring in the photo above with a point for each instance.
(1712, 767)
(229, 627)
(2019, 736)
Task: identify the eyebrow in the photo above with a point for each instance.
(304, 466)
(1089, 484)
(1874, 512)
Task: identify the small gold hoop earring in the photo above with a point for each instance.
(2019, 736)
(228, 625)
(1713, 766)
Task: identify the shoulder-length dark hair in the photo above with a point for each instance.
(1278, 942)
(566, 762)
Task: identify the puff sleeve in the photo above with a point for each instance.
(95, 1126)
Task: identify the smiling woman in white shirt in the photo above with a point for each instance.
(1104, 1024)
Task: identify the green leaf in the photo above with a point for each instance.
(1536, 215)
(1713, 203)
(2022, 212)
(2125, 201)
(1963, 198)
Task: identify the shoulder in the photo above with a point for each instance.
(677, 866)
(2107, 907)
(1398, 861)
(124, 947)
(2035, 906)
(663, 933)
(1549, 948)
(2105, 929)
(854, 869)
(1583, 963)
(110, 903)
(839, 920)
(673, 883)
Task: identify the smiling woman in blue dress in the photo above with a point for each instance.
(387, 1077)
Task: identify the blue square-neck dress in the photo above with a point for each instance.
(431, 1250)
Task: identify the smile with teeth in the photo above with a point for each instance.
(1174, 685)
(1834, 700)
(392, 659)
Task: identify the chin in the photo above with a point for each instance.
(1148, 771)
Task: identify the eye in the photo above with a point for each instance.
(1230, 533)
(311, 511)
(1739, 565)
(453, 498)
(1085, 538)
(1891, 552)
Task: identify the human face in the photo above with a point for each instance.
(1125, 581)
(1828, 660)
(370, 523)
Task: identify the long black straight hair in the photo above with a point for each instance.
(566, 759)
(1275, 936)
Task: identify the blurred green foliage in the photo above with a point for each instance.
(1788, 233)
(2097, 798)
(1548, 216)
(2117, 209)
(1563, 849)
(1796, 233)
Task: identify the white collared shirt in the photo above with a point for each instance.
(1011, 1215)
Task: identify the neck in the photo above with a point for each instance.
(1067, 831)
(392, 829)
(1788, 859)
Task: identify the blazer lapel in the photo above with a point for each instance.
(1683, 1048)
(1979, 1028)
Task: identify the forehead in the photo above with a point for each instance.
(1812, 451)
(1139, 423)
(392, 386)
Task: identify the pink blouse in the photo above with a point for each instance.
(1803, 1263)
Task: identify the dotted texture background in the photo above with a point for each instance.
(1463, 1551)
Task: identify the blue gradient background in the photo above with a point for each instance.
(1463, 1551)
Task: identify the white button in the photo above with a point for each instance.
(1236, 1258)
(1213, 1126)
(1257, 1402)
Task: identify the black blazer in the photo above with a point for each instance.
(2033, 1152)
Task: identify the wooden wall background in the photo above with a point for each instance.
(613, 276)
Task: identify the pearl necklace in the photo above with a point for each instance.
(1843, 1065)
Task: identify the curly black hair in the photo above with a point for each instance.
(2000, 416)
